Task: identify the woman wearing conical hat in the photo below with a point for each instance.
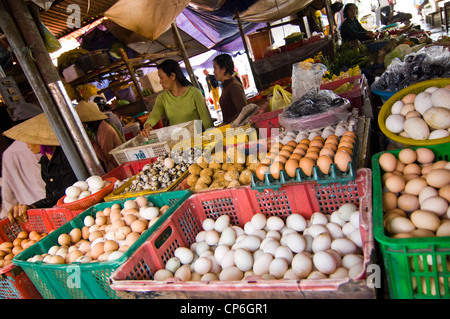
(56, 171)
(104, 138)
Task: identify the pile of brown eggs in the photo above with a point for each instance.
(306, 154)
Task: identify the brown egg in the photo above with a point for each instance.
(295, 156)
(412, 169)
(275, 169)
(164, 209)
(85, 232)
(97, 250)
(345, 144)
(291, 167)
(320, 138)
(288, 148)
(305, 141)
(345, 149)
(292, 143)
(334, 147)
(303, 146)
(342, 159)
(132, 238)
(313, 149)
(64, 239)
(129, 219)
(400, 166)
(389, 201)
(385, 176)
(94, 235)
(408, 202)
(444, 192)
(273, 151)
(347, 138)
(73, 256)
(138, 226)
(300, 151)
(75, 235)
(326, 151)
(23, 234)
(280, 158)
(306, 164)
(387, 162)
(350, 133)
(110, 245)
(261, 170)
(317, 143)
(324, 163)
(312, 154)
(266, 161)
(438, 164)
(425, 155)
(106, 211)
(33, 235)
(332, 139)
(409, 98)
(395, 184)
(17, 241)
(285, 153)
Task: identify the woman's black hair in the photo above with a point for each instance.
(170, 66)
(347, 8)
(225, 61)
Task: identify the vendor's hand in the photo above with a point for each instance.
(19, 213)
(145, 132)
(371, 34)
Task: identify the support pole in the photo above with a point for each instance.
(34, 78)
(250, 62)
(180, 44)
(52, 79)
(130, 68)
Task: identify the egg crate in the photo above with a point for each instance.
(385, 111)
(413, 265)
(134, 278)
(129, 169)
(91, 280)
(334, 175)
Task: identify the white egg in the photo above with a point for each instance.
(239, 231)
(270, 246)
(343, 246)
(316, 230)
(257, 253)
(259, 221)
(394, 123)
(82, 185)
(441, 97)
(149, 213)
(438, 134)
(95, 182)
(228, 236)
(250, 243)
(278, 267)
(220, 252)
(348, 228)
(162, 275)
(355, 236)
(308, 239)
(302, 265)
(212, 237)
(249, 228)
(334, 230)
(209, 277)
(259, 233)
(184, 273)
(273, 234)
(335, 218)
(208, 224)
(324, 262)
(423, 102)
(275, 223)
(173, 264)
(319, 218)
(346, 210)
(284, 252)
(115, 255)
(84, 194)
(243, 259)
(340, 272)
(354, 219)
(221, 223)
(295, 242)
(89, 221)
(202, 265)
(321, 242)
(201, 247)
(296, 222)
(262, 264)
(356, 271)
(397, 107)
(185, 255)
(68, 199)
(231, 274)
(73, 191)
(290, 275)
(351, 259)
(228, 259)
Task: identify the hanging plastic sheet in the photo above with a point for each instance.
(273, 10)
(207, 5)
(149, 18)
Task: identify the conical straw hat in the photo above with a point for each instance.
(89, 112)
(36, 130)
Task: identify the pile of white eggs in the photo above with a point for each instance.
(326, 246)
(82, 189)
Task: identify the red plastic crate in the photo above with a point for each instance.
(129, 169)
(48, 219)
(267, 120)
(180, 230)
(355, 96)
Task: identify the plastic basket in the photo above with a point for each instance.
(129, 169)
(267, 120)
(14, 282)
(90, 200)
(136, 275)
(136, 149)
(119, 193)
(86, 281)
(356, 95)
(335, 175)
(398, 254)
(385, 111)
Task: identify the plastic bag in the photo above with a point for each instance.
(306, 76)
(281, 98)
(51, 42)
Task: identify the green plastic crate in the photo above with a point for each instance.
(409, 261)
(86, 281)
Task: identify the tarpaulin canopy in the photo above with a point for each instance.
(149, 18)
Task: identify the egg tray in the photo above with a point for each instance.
(134, 278)
(119, 193)
(385, 111)
(399, 254)
(129, 169)
(91, 280)
(335, 175)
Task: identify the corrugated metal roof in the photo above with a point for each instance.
(55, 19)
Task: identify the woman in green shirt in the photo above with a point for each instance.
(351, 29)
(181, 101)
